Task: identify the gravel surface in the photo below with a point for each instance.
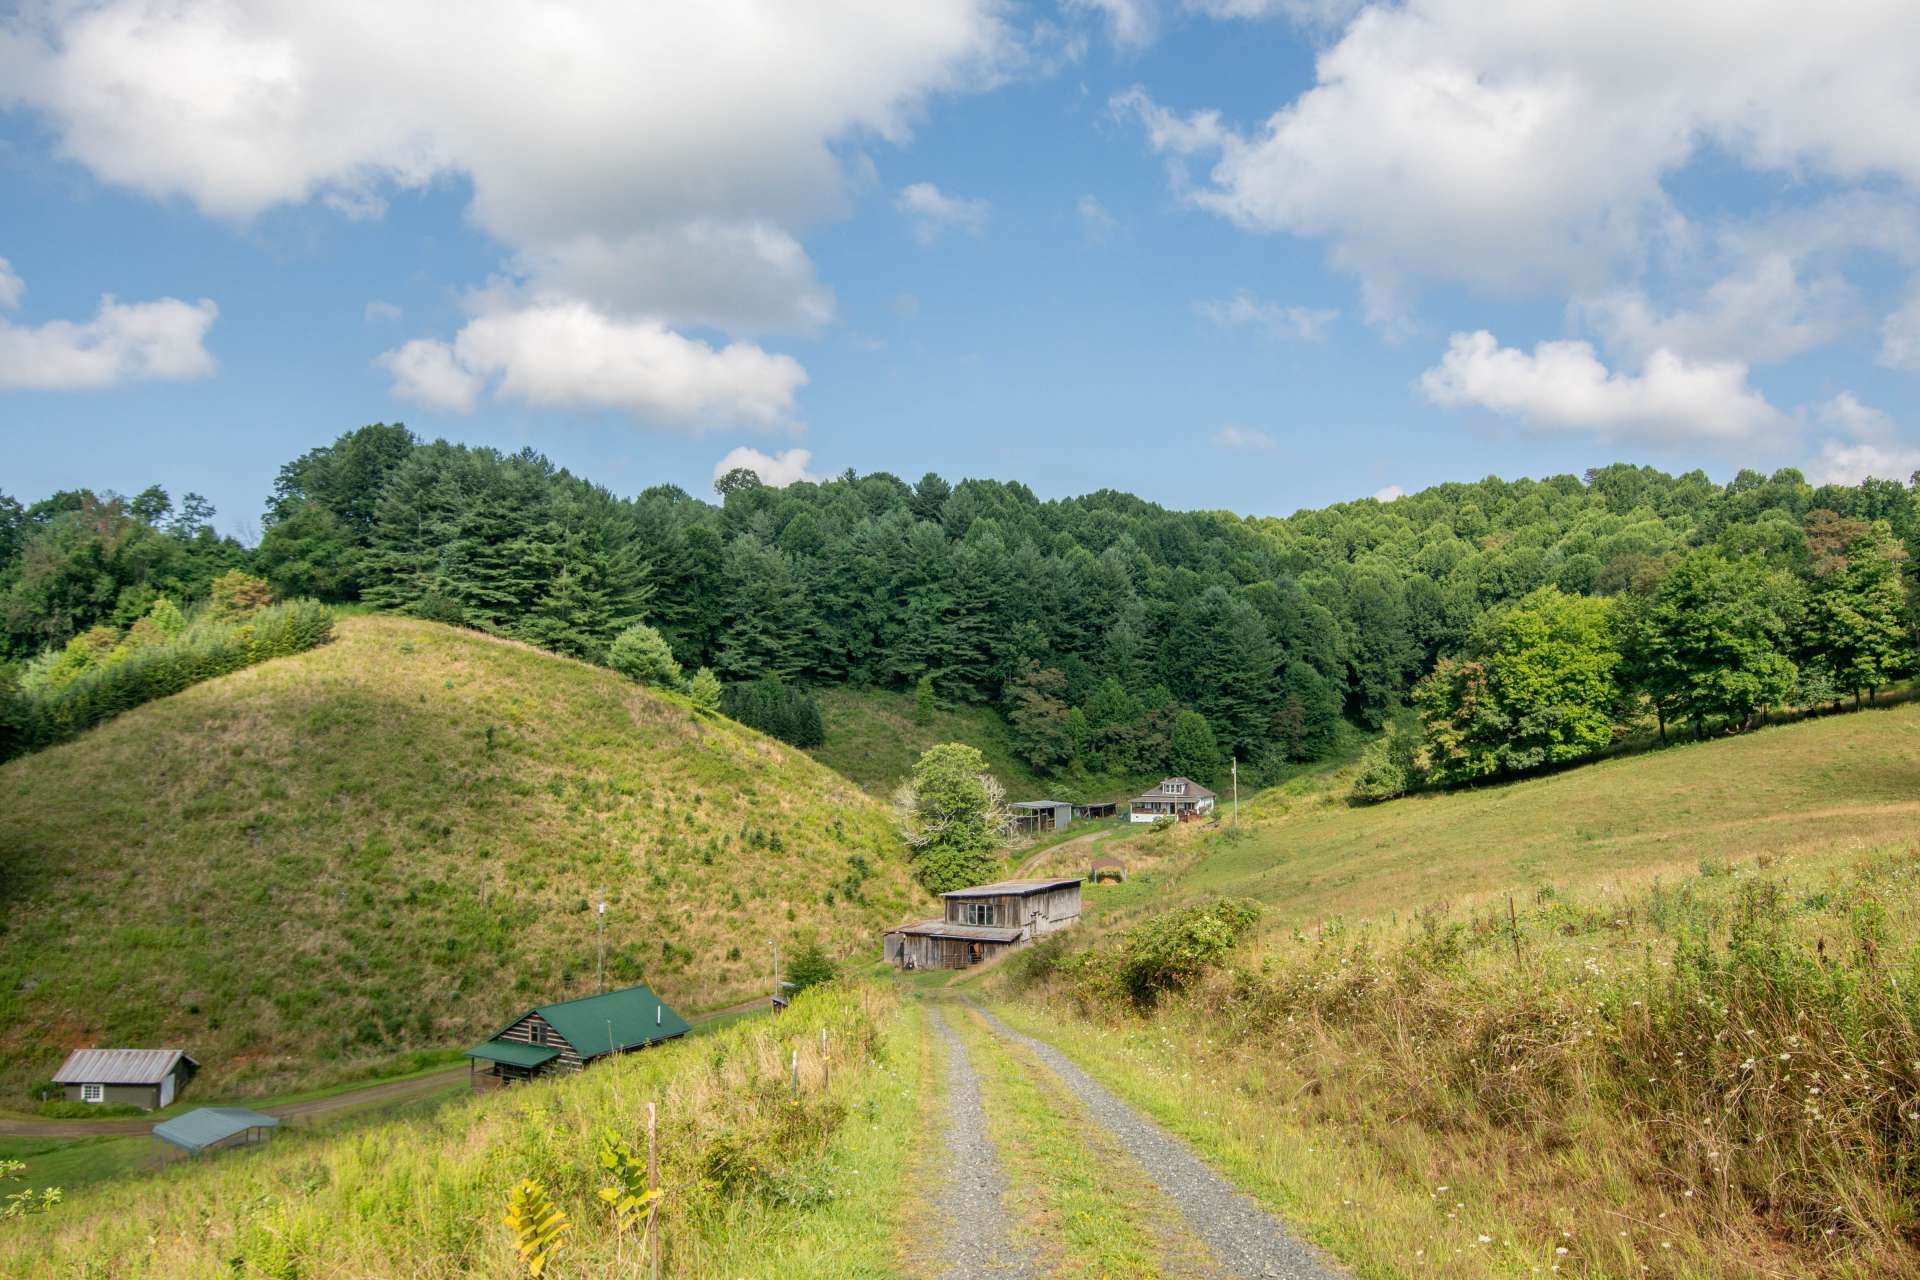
(1246, 1239)
(973, 1218)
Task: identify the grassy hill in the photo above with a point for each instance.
(873, 738)
(1846, 780)
(1686, 1050)
(393, 842)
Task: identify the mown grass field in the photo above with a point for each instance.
(304, 869)
(1839, 780)
(760, 1180)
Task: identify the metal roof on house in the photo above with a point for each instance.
(118, 1066)
(1014, 888)
(198, 1130)
(970, 932)
(514, 1053)
(613, 1020)
(1194, 791)
(1040, 804)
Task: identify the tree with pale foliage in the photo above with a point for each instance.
(641, 654)
(953, 816)
(704, 689)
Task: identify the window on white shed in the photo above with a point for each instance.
(93, 1093)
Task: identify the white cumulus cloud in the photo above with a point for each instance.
(560, 354)
(380, 311)
(1563, 386)
(1305, 323)
(933, 212)
(1392, 493)
(1865, 444)
(777, 469)
(1234, 436)
(657, 165)
(164, 340)
(1760, 313)
(1522, 145)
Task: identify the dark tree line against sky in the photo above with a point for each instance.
(1118, 637)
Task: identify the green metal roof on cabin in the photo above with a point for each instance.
(513, 1053)
(637, 1015)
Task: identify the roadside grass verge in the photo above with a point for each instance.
(759, 1182)
(1713, 1078)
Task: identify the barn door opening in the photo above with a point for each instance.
(975, 953)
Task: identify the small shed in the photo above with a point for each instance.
(150, 1078)
(567, 1036)
(1096, 809)
(209, 1128)
(1107, 869)
(1033, 816)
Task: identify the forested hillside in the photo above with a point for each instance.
(1115, 636)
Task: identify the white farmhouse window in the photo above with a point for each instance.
(93, 1093)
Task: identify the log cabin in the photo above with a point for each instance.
(567, 1036)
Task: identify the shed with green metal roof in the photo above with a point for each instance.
(565, 1037)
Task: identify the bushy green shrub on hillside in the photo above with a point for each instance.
(639, 653)
(139, 675)
(1170, 951)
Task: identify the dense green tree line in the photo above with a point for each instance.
(1117, 636)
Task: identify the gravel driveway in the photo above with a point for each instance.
(976, 1243)
(1245, 1239)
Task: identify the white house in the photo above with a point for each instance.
(1178, 798)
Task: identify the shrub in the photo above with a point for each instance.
(642, 654)
(811, 965)
(202, 652)
(87, 1110)
(705, 690)
(1169, 952)
(1390, 767)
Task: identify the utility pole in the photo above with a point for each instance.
(1236, 790)
(600, 959)
(775, 944)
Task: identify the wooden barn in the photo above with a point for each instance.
(567, 1036)
(984, 921)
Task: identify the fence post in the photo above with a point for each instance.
(653, 1184)
(795, 1068)
(1513, 923)
(826, 1071)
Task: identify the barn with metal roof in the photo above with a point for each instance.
(149, 1078)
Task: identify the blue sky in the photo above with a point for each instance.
(1250, 254)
